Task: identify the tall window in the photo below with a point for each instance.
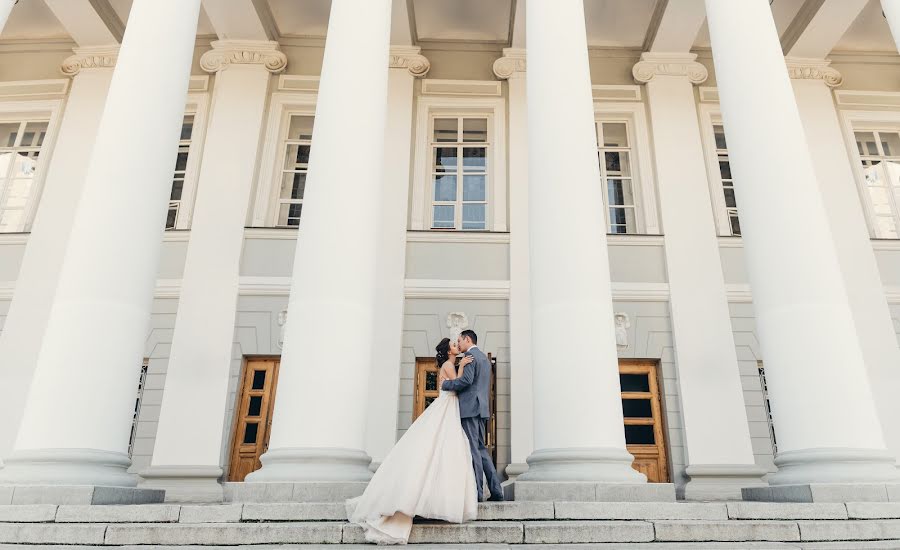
(142, 381)
(727, 181)
(20, 148)
(459, 152)
(296, 147)
(181, 163)
(879, 152)
(618, 176)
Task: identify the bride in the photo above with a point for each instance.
(428, 473)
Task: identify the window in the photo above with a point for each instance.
(879, 153)
(142, 381)
(181, 166)
(296, 149)
(617, 175)
(724, 167)
(765, 392)
(459, 173)
(20, 150)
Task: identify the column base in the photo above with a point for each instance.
(721, 481)
(312, 464)
(89, 467)
(599, 464)
(198, 484)
(825, 492)
(835, 466)
(513, 471)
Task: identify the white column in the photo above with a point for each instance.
(20, 340)
(718, 452)
(6, 7)
(812, 81)
(318, 433)
(825, 418)
(891, 9)
(406, 64)
(79, 408)
(187, 454)
(578, 428)
(512, 68)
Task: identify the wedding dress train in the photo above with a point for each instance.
(428, 473)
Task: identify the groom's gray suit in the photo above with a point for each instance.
(472, 389)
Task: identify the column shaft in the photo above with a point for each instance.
(719, 456)
(6, 7)
(81, 400)
(578, 429)
(891, 9)
(874, 327)
(188, 451)
(825, 418)
(318, 433)
(20, 340)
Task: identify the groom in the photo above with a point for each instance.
(472, 390)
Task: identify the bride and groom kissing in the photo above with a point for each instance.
(438, 468)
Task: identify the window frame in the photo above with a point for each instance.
(197, 105)
(268, 184)
(710, 116)
(853, 121)
(646, 211)
(19, 111)
(459, 201)
(492, 108)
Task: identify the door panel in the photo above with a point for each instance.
(253, 416)
(644, 430)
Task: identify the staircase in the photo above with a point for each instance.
(500, 525)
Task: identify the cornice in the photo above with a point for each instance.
(225, 53)
(814, 69)
(97, 57)
(652, 65)
(411, 59)
(512, 64)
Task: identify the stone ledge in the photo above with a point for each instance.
(727, 531)
(223, 513)
(28, 513)
(225, 534)
(873, 510)
(295, 511)
(639, 511)
(478, 532)
(581, 532)
(49, 533)
(849, 530)
(260, 492)
(785, 510)
(147, 513)
(819, 492)
(577, 491)
(78, 494)
(488, 511)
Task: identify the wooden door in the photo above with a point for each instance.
(253, 416)
(644, 431)
(427, 390)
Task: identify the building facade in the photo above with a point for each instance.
(674, 225)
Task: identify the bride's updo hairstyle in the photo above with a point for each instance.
(443, 352)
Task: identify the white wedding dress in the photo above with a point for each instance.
(428, 473)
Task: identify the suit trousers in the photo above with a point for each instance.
(481, 459)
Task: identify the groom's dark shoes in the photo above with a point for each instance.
(496, 498)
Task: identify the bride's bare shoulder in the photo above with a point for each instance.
(448, 368)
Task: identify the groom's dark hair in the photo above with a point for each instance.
(470, 334)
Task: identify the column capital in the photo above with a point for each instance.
(511, 65)
(410, 58)
(814, 69)
(652, 65)
(97, 57)
(243, 52)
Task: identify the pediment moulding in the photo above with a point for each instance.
(97, 57)
(409, 58)
(652, 65)
(814, 69)
(512, 64)
(225, 53)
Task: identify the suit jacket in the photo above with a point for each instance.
(472, 388)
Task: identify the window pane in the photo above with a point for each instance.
(615, 134)
(730, 201)
(719, 133)
(735, 224)
(893, 172)
(445, 159)
(301, 127)
(622, 220)
(293, 186)
(885, 228)
(473, 216)
(250, 432)
(881, 202)
(890, 143)
(431, 380)
(172, 215)
(255, 406)
(259, 380)
(9, 131)
(619, 192)
(443, 217)
(445, 188)
(639, 435)
(10, 220)
(637, 408)
(445, 129)
(36, 131)
(181, 160)
(634, 382)
(297, 157)
(475, 129)
(177, 190)
(473, 188)
(725, 168)
(474, 159)
(617, 163)
(872, 173)
(187, 127)
(289, 214)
